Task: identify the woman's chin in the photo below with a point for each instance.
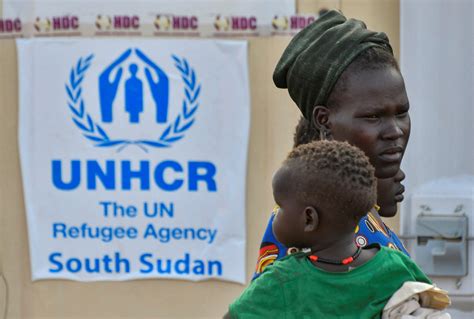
(387, 171)
(388, 211)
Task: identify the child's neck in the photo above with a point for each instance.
(340, 248)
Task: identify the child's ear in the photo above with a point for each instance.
(311, 219)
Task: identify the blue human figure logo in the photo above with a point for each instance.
(133, 95)
(159, 89)
(108, 88)
(134, 88)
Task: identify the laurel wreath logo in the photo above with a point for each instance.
(95, 133)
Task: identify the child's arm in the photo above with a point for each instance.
(415, 271)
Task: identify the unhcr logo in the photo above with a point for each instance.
(136, 78)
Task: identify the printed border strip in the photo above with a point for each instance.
(157, 25)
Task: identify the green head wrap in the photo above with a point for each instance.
(316, 57)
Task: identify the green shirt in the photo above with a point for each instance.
(294, 288)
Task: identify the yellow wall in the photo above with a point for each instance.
(273, 119)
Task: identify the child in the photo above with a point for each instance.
(323, 189)
(371, 228)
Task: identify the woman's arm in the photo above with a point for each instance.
(270, 249)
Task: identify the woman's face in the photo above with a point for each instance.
(372, 114)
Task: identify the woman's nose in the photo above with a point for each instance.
(392, 130)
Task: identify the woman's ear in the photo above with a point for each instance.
(321, 118)
(311, 219)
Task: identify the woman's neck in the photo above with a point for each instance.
(378, 220)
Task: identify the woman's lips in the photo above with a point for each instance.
(392, 154)
(399, 195)
(391, 157)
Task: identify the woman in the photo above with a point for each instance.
(348, 86)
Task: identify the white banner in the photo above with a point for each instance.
(133, 156)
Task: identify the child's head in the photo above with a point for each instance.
(323, 189)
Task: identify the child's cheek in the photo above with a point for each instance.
(276, 227)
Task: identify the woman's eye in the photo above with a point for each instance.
(402, 114)
(371, 117)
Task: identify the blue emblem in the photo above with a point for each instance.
(134, 89)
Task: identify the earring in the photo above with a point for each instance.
(322, 135)
(325, 135)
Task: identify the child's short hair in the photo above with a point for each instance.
(334, 176)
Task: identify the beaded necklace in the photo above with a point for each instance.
(345, 261)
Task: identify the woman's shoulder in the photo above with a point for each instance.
(370, 231)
